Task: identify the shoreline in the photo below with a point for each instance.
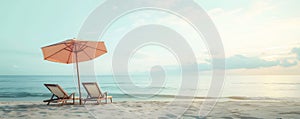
(150, 109)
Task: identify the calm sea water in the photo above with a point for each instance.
(31, 88)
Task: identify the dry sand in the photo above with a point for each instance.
(151, 109)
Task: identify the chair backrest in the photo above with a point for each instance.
(56, 90)
(92, 89)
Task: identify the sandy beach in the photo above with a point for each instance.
(146, 109)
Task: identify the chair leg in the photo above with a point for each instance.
(73, 99)
(50, 99)
(63, 102)
(48, 103)
(85, 99)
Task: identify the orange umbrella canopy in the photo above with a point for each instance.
(71, 50)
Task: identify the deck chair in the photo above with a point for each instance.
(59, 95)
(94, 93)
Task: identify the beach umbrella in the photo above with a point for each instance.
(74, 51)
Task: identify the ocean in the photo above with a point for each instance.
(242, 87)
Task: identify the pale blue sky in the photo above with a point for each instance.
(259, 32)
(28, 25)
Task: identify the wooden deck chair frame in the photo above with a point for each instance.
(98, 97)
(60, 96)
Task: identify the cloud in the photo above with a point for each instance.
(251, 28)
(260, 7)
(297, 52)
(240, 61)
(243, 62)
(204, 66)
(247, 13)
(287, 63)
(236, 62)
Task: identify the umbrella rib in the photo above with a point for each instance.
(55, 53)
(63, 42)
(96, 48)
(87, 54)
(83, 45)
(52, 45)
(69, 46)
(69, 57)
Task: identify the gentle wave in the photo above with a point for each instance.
(41, 96)
(22, 95)
(236, 88)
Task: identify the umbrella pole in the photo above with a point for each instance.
(78, 78)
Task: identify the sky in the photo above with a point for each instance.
(260, 37)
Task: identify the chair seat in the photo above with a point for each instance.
(95, 98)
(59, 95)
(94, 93)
